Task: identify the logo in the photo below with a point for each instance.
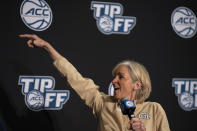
(36, 14)
(144, 116)
(39, 93)
(186, 90)
(184, 22)
(35, 99)
(110, 20)
(129, 103)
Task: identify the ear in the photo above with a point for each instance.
(138, 85)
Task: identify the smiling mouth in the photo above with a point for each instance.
(116, 89)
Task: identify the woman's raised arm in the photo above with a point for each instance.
(35, 41)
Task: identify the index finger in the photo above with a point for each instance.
(30, 36)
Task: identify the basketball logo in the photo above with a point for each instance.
(109, 18)
(36, 14)
(35, 100)
(186, 100)
(106, 23)
(184, 22)
(186, 90)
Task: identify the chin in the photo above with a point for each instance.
(117, 97)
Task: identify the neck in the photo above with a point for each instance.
(133, 95)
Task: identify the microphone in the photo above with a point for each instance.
(127, 107)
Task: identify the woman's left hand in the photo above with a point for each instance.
(136, 125)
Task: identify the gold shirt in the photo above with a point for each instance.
(105, 108)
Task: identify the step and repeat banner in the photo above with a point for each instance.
(94, 36)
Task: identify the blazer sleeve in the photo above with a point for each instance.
(85, 87)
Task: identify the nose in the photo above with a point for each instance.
(115, 80)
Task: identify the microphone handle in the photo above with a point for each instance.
(131, 116)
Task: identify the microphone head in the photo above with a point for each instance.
(127, 106)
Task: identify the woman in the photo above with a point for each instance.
(131, 80)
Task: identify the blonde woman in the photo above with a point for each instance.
(131, 80)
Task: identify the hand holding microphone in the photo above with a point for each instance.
(128, 107)
(136, 125)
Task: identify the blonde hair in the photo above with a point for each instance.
(138, 73)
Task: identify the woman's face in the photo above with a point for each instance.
(123, 83)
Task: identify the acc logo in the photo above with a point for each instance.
(184, 22)
(186, 90)
(110, 20)
(39, 93)
(36, 14)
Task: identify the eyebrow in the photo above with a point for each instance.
(119, 73)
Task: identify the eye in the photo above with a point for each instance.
(120, 76)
